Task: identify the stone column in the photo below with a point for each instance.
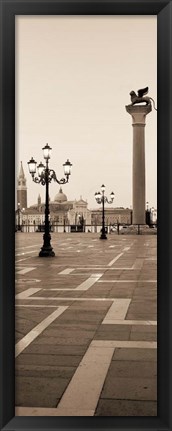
(138, 113)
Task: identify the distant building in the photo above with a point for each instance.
(58, 208)
(64, 213)
(21, 189)
(79, 212)
(112, 216)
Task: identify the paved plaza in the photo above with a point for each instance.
(86, 326)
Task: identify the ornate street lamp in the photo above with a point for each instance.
(45, 176)
(148, 214)
(101, 198)
(19, 211)
(64, 224)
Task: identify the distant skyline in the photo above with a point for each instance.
(73, 79)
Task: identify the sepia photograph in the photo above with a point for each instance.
(86, 215)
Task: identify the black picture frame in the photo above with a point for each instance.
(8, 10)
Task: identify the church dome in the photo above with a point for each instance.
(60, 197)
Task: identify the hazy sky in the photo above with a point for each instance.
(73, 79)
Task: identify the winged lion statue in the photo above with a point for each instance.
(140, 97)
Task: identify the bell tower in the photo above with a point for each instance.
(21, 189)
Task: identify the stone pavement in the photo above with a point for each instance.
(86, 326)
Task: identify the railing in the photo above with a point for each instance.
(139, 229)
(116, 228)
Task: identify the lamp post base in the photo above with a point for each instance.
(46, 252)
(46, 249)
(103, 236)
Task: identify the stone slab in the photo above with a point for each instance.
(126, 408)
(135, 354)
(130, 388)
(39, 392)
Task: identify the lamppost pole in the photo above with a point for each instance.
(19, 220)
(45, 176)
(148, 213)
(19, 227)
(103, 234)
(64, 225)
(46, 248)
(101, 198)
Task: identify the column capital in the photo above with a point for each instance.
(138, 113)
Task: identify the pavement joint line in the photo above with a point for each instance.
(26, 293)
(36, 305)
(27, 281)
(89, 282)
(84, 273)
(87, 382)
(23, 265)
(104, 267)
(130, 322)
(24, 270)
(77, 267)
(107, 267)
(66, 271)
(124, 344)
(127, 281)
(37, 330)
(23, 253)
(138, 263)
(122, 268)
(40, 298)
(115, 259)
(27, 246)
(118, 309)
(64, 289)
(26, 258)
(48, 411)
(150, 258)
